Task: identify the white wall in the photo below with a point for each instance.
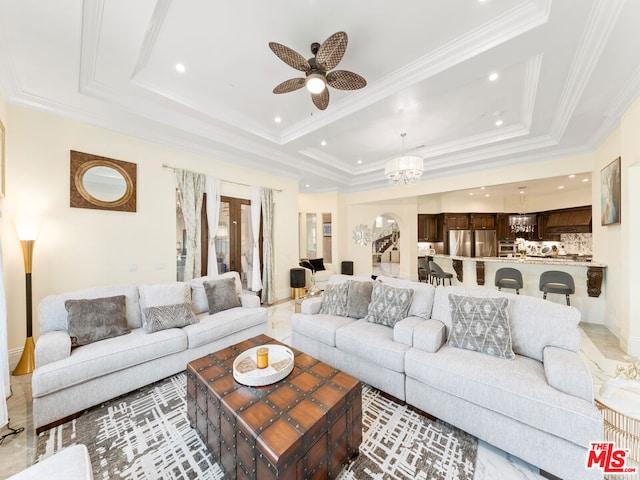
(80, 248)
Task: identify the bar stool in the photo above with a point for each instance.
(509, 278)
(555, 281)
(436, 272)
(423, 270)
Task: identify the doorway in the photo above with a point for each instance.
(385, 246)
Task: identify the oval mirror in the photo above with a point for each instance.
(104, 183)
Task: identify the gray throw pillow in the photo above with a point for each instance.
(359, 298)
(90, 320)
(481, 325)
(221, 295)
(388, 304)
(334, 299)
(169, 316)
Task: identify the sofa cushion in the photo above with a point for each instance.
(169, 316)
(321, 328)
(159, 294)
(481, 325)
(106, 356)
(517, 389)
(535, 323)
(199, 296)
(566, 371)
(221, 294)
(423, 294)
(210, 328)
(52, 314)
(334, 300)
(91, 320)
(373, 343)
(429, 335)
(359, 298)
(388, 304)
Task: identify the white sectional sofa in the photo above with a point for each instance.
(537, 405)
(68, 380)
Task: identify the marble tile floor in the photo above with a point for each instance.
(599, 349)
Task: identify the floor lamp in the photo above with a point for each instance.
(27, 234)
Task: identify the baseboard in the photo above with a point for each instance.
(633, 346)
(14, 358)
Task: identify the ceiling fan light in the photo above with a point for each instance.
(315, 83)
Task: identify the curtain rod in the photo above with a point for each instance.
(164, 165)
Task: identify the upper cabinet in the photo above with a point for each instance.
(483, 221)
(503, 230)
(457, 221)
(429, 227)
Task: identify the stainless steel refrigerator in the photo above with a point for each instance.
(460, 243)
(485, 243)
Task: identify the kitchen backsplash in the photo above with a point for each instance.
(577, 243)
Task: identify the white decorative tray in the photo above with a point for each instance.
(246, 371)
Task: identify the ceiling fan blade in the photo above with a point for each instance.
(345, 80)
(290, 85)
(290, 57)
(331, 51)
(321, 100)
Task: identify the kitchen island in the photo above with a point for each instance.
(589, 296)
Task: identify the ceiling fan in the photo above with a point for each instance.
(325, 57)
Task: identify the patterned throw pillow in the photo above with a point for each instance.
(388, 304)
(221, 295)
(169, 316)
(90, 320)
(334, 299)
(481, 325)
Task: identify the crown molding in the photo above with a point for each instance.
(151, 36)
(599, 27)
(531, 81)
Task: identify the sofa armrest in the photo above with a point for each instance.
(250, 300)
(403, 330)
(429, 335)
(311, 306)
(567, 372)
(51, 347)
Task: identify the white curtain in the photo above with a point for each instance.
(4, 354)
(191, 186)
(268, 290)
(256, 283)
(213, 217)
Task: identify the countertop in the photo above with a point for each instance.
(559, 260)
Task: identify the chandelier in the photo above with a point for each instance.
(405, 169)
(522, 223)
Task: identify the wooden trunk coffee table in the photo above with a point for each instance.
(306, 426)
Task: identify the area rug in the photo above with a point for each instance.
(146, 435)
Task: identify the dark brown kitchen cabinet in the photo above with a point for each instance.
(429, 228)
(457, 221)
(483, 221)
(503, 230)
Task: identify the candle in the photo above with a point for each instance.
(262, 359)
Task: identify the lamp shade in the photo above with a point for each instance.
(315, 83)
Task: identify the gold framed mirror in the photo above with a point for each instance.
(102, 183)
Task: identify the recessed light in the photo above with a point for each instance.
(521, 192)
(359, 162)
(560, 187)
(323, 143)
(180, 67)
(482, 188)
(493, 77)
(471, 193)
(572, 176)
(585, 180)
(498, 123)
(307, 185)
(487, 194)
(277, 119)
